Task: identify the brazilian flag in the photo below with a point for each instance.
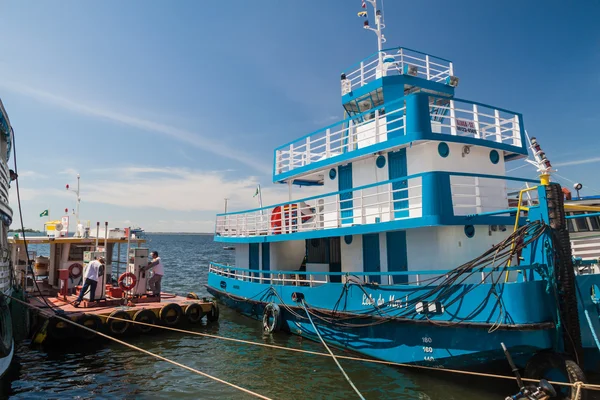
(44, 213)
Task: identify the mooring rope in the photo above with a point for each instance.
(330, 352)
(144, 351)
(391, 363)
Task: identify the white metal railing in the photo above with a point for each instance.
(477, 195)
(462, 118)
(370, 204)
(394, 62)
(343, 137)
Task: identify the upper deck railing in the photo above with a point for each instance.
(407, 198)
(452, 117)
(396, 61)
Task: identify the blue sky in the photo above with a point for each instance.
(165, 108)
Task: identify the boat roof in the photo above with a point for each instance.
(71, 240)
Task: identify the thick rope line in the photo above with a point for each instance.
(330, 352)
(317, 353)
(145, 351)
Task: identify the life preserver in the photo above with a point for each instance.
(170, 314)
(271, 318)
(89, 321)
(213, 314)
(276, 220)
(78, 267)
(279, 213)
(147, 317)
(116, 326)
(194, 313)
(124, 276)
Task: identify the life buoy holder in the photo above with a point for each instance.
(122, 279)
(271, 318)
(116, 326)
(170, 314)
(75, 267)
(194, 313)
(146, 317)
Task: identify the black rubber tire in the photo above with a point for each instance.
(166, 314)
(193, 296)
(116, 327)
(90, 321)
(271, 318)
(194, 313)
(147, 317)
(540, 366)
(213, 314)
(58, 329)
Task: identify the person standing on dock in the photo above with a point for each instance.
(157, 268)
(90, 275)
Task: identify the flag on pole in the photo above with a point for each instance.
(256, 193)
(44, 213)
(362, 14)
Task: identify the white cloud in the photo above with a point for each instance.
(182, 135)
(578, 162)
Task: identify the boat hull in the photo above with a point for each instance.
(446, 344)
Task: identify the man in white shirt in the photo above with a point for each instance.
(91, 274)
(157, 268)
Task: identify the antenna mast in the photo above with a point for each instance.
(379, 26)
(541, 162)
(78, 198)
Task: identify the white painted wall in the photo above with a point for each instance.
(447, 247)
(242, 255)
(287, 256)
(352, 255)
(317, 267)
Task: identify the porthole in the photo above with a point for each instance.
(380, 162)
(443, 149)
(348, 239)
(469, 231)
(494, 157)
(332, 173)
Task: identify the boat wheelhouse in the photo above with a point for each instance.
(419, 249)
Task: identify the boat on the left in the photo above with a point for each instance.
(7, 344)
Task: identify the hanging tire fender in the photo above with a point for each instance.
(194, 313)
(213, 314)
(146, 317)
(552, 366)
(90, 321)
(170, 314)
(116, 326)
(271, 318)
(6, 331)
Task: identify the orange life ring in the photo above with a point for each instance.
(79, 270)
(122, 281)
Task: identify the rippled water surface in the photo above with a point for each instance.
(109, 370)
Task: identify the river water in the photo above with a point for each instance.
(108, 370)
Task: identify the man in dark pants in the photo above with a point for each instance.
(90, 276)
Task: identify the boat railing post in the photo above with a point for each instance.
(391, 200)
(307, 150)
(390, 280)
(451, 69)
(362, 73)
(105, 235)
(327, 143)
(498, 130)
(291, 167)
(376, 126)
(476, 121)
(427, 65)
(310, 277)
(452, 119)
(363, 217)
(97, 234)
(128, 247)
(516, 131)
(417, 277)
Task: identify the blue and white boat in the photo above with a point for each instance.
(6, 278)
(420, 249)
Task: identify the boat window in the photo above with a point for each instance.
(581, 223)
(365, 103)
(76, 252)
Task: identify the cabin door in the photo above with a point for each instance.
(371, 259)
(397, 169)
(345, 182)
(335, 259)
(397, 260)
(253, 261)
